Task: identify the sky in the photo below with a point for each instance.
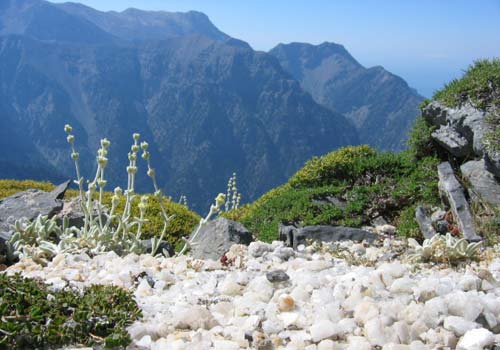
(427, 42)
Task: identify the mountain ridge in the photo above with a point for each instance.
(207, 103)
(371, 98)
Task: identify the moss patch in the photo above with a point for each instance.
(35, 318)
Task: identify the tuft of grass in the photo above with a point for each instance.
(420, 144)
(368, 182)
(181, 225)
(480, 85)
(33, 317)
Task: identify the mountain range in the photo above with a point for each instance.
(208, 104)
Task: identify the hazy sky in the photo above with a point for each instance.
(427, 42)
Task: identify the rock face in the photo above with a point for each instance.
(371, 98)
(453, 193)
(483, 185)
(461, 131)
(29, 204)
(323, 233)
(216, 238)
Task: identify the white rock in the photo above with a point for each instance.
(194, 317)
(358, 343)
(326, 344)
(469, 282)
(418, 345)
(476, 339)
(272, 326)
(459, 325)
(225, 345)
(466, 305)
(375, 332)
(347, 325)
(144, 342)
(402, 285)
(230, 287)
(400, 332)
(262, 288)
(392, 346)
(323, 329)
(365, 311)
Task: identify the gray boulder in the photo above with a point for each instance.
(29, 204)
(452, 141)
(217, 236)
(483, 185)
(294, 236)
(424, 222)
(452, 193)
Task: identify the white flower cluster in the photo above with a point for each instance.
(101, 231)
(233, 196)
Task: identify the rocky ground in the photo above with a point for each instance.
(269, 296)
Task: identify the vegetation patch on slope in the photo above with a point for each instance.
(480, 85)
(349, 187)
(181, 225)
(34, 317)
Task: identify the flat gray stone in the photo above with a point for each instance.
(424, 222)
(293, 236)
(483, 185)
(453, 193)
(29, 204)
(216, 238)
(452, 141)
(276, 276)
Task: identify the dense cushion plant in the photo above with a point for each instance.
(34, 317)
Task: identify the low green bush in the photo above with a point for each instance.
(33, 317)
(370, 184)
(419, 141)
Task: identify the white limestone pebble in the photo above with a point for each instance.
(459, 325)
(326, 304)
(323, 329)
(476, 339)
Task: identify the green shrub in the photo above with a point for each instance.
(35, 318)
(419, 142)
(333, 167)
(480, 84)
(370, 184)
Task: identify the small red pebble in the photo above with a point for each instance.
(223, 260)
(455, 231)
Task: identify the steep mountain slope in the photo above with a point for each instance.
(208, 106)
(381, 105)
